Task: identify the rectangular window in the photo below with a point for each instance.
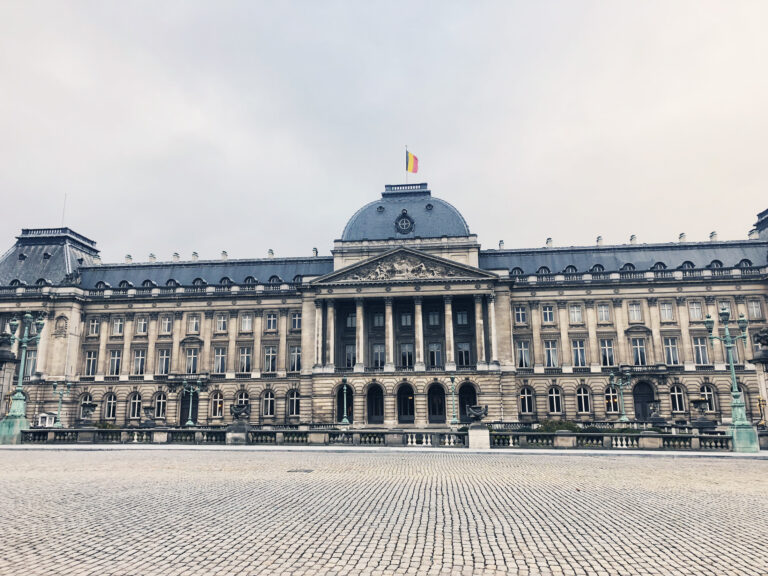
(141, 325)
(694, 311)
(246, 322)
(579, 353)
(163, 361)
(603, 313)
(462, 318)
(635, 312)
(406, 319)
(192, 357)
(734, 353)
(93, 327)
(295, 320)
(435, 355)
(350, 356)
(117, 326)
(406, 355)
(523, 353)
(378, 355)
(434, 318)
(378, 320)
(575, 315)
(139, 362)
(550, 354)
(222, 321)
(638, 351)
(270, 358)
(724, 304)
(193, 324)
(463, 354)
(700, 351)
(245, 354)
(754, 310)
(166, 325)
(91, 362)
(31, 365)
(670, 351)
(294, 361)
(606, 352)
(115, 358)
(220, 359)
(521, 315)
(351, 320)
(667, 312)
(271, 321)
(547, 314)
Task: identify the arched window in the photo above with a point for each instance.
(42, 282)
(110, 407)
(172, 283)
(526, 400)
(543, 270)
(294, 406)
(99, 285)
(677, 399)
(242, 398)
(226, 281)
(124, 284)
(687, 265)
(85, 411)
(582, 400)
(148, 284)
(516, 271)
(597, 268)
(375, 404)
(298, 279)
(628, 267)
(274, 283)
(249, 281)
(161, 401)
(708, 394)
(135, 406)
(555, 400)
(745, 263)
(715, 264)
(611, 400)
(268, 404)
(659, 266)
(570, 270)
(217, 405)
(198, 282)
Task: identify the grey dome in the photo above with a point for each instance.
(429, 217)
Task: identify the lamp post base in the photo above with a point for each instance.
(744, 438)
(10, 429)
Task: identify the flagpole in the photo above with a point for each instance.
(406, 163)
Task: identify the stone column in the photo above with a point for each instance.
(282, 352)
(537, 348)
(389, 336)
(482, 362)
(494, 338)
(418, 335)
(651, 306)
(234, 329)
(258, 353)
(101, 368)
(206, 330)
(685, 335)
(718, 350)
(331, 323)
(359, 336)
(151, 343)
(175, 346)
(127, 366)
(594, 345)
(621, 337)
(318, 333)
(450, 363)
(565, 344)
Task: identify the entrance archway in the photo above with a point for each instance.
(642, 395)
(467, 397)
(375, 402)
(340, 403)
(405, 404)
(436, 404)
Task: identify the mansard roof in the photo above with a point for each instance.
(613, 258)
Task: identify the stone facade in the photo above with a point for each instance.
(399, 321)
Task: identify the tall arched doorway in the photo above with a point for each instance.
(642, 395)
(184, 408)
(436, 404)
(405, 404)
(375, 402)
(467, 397)
(340, 403)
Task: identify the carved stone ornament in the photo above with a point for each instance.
(402, 267)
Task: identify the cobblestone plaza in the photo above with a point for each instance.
(193, 512)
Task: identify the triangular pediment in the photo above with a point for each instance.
(404, 265)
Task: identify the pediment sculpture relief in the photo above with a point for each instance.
(401, 267)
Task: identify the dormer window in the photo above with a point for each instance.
(659, 266)
(628, 267)
(543, 270)
(198, 282)
(172, 283)
(597, 268)
(148, 284)
(516, 272)
(687, 265)
(22, 257)
(101, 285)
(744, 263)
(125, 284)
(225, 281)
(570, 270)
(46, 255)
(715, 264)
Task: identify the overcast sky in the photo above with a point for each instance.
(244, 126)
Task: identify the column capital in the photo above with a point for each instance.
(258, 313)
(318, 303)
(154, 315)
(740, 299)
(283, 311)
(178, 315)
(709, 299)
(418, 300)
(534, 304)
(653, 301)
(388, 301)
(359, 301)
(330, 302)
(448, 299)
(104, 317)
(680, 300)
(130, 315)
(209, 314)
(491, 297)
(589, 303)
(478, 297)
(617, 302)
(561, 305)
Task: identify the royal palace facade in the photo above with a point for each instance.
(408, 321)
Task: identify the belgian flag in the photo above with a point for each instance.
(411, 162)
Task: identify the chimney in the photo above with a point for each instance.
(97, 260)
(713, 236)
(128, 259)
(762, 225)
(194, 256)
(501, 244)
(224, 255)
(270, 253)
(754, 234)
(599, 241)
(682, 237)
(314, 252)
(633, 239)
(549, 242)
(175, 257)
(152, 258)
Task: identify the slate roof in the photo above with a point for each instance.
(612, 258)
(432, 217)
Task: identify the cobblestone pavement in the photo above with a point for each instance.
(141, 513)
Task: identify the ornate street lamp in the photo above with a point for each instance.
(344, 419)
(16, 421)
(743, 434)
(623, 380)
(60, 391)
(190, 388)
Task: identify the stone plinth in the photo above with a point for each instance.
(479, 437)
(646, 441)
(564, 440)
